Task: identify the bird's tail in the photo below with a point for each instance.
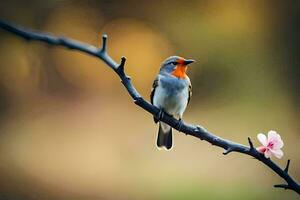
(164, 138)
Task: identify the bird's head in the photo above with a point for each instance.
(176, 66)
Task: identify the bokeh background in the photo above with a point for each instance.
(69, 130)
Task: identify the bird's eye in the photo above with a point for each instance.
(174, 63)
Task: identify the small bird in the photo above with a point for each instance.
(171, 93)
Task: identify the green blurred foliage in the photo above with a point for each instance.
(68, 129)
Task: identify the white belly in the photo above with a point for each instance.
(174, 102)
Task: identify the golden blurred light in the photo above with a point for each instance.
(234, 18)
(18, 74)
(81, 22)
(144, 47)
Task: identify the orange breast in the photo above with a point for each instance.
(179, 72)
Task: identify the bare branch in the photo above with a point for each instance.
(250, 143)
(104, 39)
(120, 69)
(284, 186)
(287, 166)
(195, 131)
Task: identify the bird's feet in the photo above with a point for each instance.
(160, 114)
(179, 125)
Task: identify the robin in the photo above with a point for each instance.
(171, 93)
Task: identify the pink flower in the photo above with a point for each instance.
(271, 145)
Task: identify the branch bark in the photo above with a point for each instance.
(196, 131)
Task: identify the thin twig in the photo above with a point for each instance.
(287, 166)
(196, 131)
(104, 44)
(250, 143)
(284, 186)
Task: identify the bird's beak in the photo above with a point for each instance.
(188, 61)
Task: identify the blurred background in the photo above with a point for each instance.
(69, 130)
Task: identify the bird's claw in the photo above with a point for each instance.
(160, 114)
(179, 125)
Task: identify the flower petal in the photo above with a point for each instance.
(262, 139)
(278, 144)
(278, 153)
(273, 135)
(261, 149)
(275, 139)
(268, 153)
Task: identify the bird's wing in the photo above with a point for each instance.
(190, 93)
(154, 85)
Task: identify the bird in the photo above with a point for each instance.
(171, 93)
